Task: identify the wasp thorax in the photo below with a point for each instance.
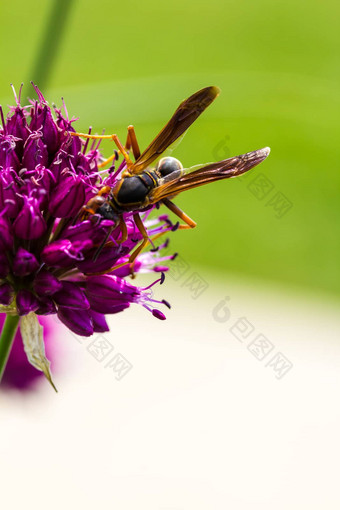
(168, 165)
(107, 213)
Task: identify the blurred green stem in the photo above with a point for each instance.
(49, 43)
(6, 340)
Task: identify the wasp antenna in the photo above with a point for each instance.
(252, 159)
(214, 91)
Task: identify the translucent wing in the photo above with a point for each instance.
(198, 176)
(187, 112)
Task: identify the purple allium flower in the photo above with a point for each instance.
(48, 250)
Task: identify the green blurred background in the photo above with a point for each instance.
(277, 64)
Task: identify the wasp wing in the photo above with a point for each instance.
(172, 184)
(187, 112)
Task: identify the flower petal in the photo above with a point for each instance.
(71, 296)
(68, 197)
(24, 263)
(6, 294)
(46, 306)
(26, 302)
(99, 322)
(35, 152)
(30, 223)
(63, 253)
(78, 321)
(46, 284)
(6, 235)
(108, 294)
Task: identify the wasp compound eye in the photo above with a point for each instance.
(168, 165)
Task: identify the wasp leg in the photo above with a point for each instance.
(109, 159)
(122, 150)
(104, 190)
(128, 142)
(123, 229)
(102, 244)
(107, 271)
(92, 137)
(116, 140)
(132, 141)
(134, 254)
(145, 241)
(181, 214)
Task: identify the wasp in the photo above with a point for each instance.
(142, 185)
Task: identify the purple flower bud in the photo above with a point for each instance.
(9, 192)
(125, 270)
(35, 152)
(6, 294)
(158, 314)
(106, 293)
(26, 302)
(71, 143)
(6, 235)
(63, 253)
(17, 127)
(4, 266)
(86, 164)
(68, 197)
(105, 260)
(99, 322)
(78, 321)
(46, 284)
(87, 230)
(43, 179)
(60, 163)
(8, 156)
(30, 223)
(110, 286)
(46, 306)
(24, 263)
(43, 120)
(71, 296)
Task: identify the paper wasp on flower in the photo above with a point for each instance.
(58, 225)
(142, 185)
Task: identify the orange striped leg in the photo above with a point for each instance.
(116, 140)
(131, 141)
(189, 223)
(145, 241)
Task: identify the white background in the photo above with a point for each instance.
(197, 423)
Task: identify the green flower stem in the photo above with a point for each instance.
(6, 340)
(53, 31)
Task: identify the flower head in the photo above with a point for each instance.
(49, 251)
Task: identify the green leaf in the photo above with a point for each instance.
(32, 336)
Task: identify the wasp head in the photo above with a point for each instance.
(167, 166)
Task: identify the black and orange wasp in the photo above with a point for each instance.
(141, 186)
